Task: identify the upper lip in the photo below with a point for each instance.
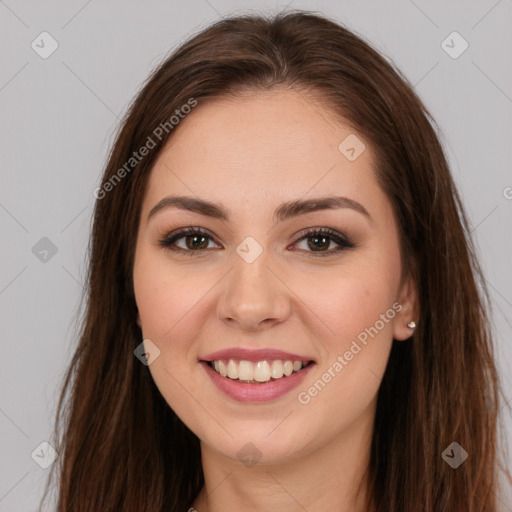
(244, 354)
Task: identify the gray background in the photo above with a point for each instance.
(58, 116)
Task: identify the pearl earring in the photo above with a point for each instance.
(411, 325)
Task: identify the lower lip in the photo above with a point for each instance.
(266, 392)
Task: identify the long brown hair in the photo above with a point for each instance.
(122, 448)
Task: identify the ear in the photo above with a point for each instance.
(408, 299)
(138, 320)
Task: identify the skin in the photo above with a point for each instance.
(251, 154)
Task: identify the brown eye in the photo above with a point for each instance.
(319, 239)
(196, 240)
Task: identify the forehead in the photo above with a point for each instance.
(278, 144)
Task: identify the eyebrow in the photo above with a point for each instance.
(283, 212)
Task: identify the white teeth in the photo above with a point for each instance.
(232, 369)
(276, 371)
(288, 368)
(245, 370)
(262, 371)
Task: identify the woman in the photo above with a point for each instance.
(283, 306)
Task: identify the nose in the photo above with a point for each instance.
(255, 296)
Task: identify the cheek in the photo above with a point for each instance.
(354, 358)
(165, 298)
(349, 301)
(165, 295)
(172, 302)
(355, 311)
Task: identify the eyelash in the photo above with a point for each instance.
(341, 240)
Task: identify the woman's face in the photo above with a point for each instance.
(258, 281)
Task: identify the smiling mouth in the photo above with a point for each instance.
(260, 372)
